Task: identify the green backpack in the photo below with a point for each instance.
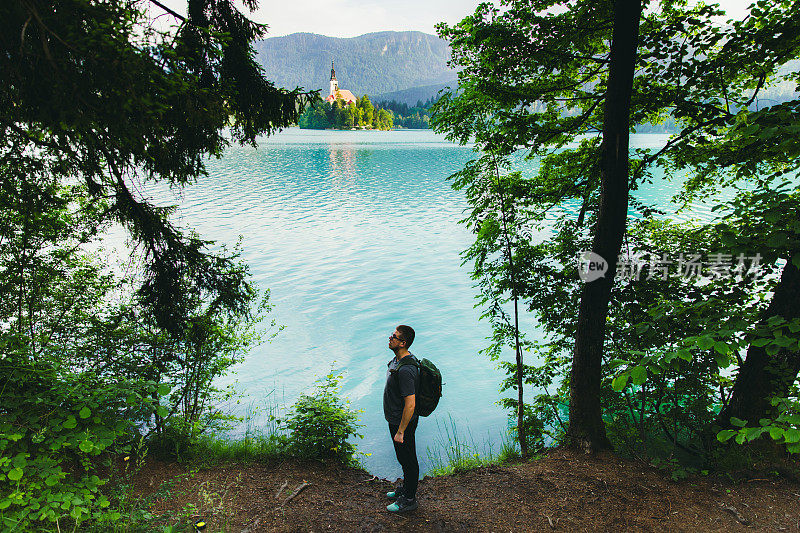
(430, 384)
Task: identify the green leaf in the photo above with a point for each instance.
(725, 435)
(738, 422)
(754, 433)
(775, 432)
(70, 422)
(619, 382)
(705, 343)
(791, 435)
(721, 348)
(684, 354)
(15, 474)
(772, 349)
(740, 437)
(162, 411)
(638, 375)
(85, 412)
(86, 446)
(164, 389)
(793, 419)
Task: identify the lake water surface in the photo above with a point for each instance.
(354, 233)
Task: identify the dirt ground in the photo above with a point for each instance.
(563, 491)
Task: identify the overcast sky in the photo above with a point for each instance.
(349, 18)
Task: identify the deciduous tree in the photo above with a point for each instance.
(539, 75)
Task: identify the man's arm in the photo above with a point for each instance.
(408, 414)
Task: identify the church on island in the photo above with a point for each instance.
(337, 93)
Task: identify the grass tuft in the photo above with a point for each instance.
(456, 452)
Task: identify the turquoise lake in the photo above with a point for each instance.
(355, 232)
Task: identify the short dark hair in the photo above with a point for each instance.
(406, 334)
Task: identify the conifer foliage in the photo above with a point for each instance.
(95, 104)
(95, 89)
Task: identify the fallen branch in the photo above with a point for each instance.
(278, 494)
(736, 513)
(297, 491)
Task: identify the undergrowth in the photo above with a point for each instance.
(455, 451)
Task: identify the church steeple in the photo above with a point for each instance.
(334, 82)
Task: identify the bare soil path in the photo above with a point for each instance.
(563, 491)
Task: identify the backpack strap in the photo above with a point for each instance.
(413, 361)
(408, 361)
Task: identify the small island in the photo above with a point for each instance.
(342, 110)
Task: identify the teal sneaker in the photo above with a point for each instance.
(402, 505)
(394, 494)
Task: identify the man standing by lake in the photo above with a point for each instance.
(402, 381)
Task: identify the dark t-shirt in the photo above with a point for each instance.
(398, 385)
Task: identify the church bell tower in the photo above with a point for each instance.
(334, 82)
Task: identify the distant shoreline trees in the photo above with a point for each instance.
(364, 115)
(416, 117)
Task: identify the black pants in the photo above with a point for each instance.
(407, 456)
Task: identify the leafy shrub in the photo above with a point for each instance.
(320, 424)
(783, 428)
(55, 429)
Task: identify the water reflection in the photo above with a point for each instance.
(342, 164)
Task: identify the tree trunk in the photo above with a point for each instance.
(586, 429)
(523, 440)
(763, 376)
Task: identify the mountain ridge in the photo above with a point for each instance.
(373, 63)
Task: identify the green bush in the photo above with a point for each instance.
(56, 431)
(320, 424)
(783, 428)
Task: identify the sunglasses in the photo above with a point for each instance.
(393, 336)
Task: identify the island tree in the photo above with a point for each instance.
(319, 115)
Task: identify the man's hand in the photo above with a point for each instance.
(398, 437)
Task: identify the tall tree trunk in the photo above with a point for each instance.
(523, 440)
(586, 429)
(763, 376)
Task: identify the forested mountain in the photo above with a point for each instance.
(374, 63)
(415, 94)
